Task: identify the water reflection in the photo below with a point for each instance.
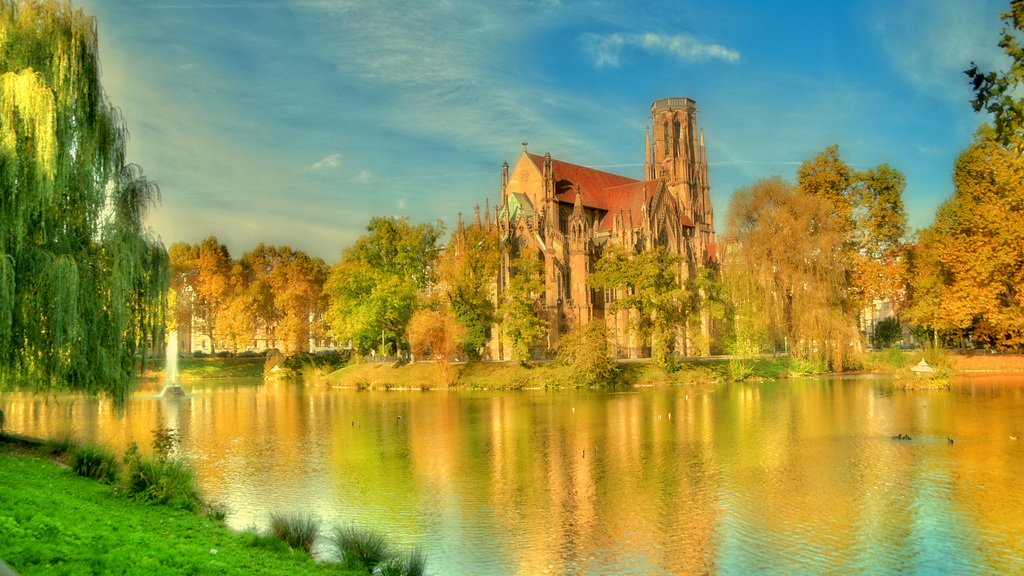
(775, 478)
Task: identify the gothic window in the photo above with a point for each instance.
(563, 221)
(677, 136)
(666, 133)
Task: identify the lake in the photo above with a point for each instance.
(791, 477)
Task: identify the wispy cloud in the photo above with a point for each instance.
(332, 161)
(607, 49)
(931, 42)
(364, 177)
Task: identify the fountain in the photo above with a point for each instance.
(171, 387)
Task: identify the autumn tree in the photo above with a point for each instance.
(466, 272)
(522, 304)
(968, 267)
(82, 282)
(278, 291)
(787, 248)
(373, 291)
(201, 279)
(297, 283)
(437, 336)
(998, 92)
(649, 284)
(869, 208)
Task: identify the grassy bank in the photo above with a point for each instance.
(55, 522)
(56, 518)
(513, 376)
(200, 368)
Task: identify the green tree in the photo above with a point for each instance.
(968, 266)
(649, 284)
(466, 272)
(587, 350)
(786, 256)
(373, 291)
(999, 92)
(82, 283)
(888, 332)
(522, 304)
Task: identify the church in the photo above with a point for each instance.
(570, 213)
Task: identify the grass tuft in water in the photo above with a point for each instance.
(95, 462)
(299, 531)
(360, 547)
(411, 564)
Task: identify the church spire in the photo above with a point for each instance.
(649, 159)
(476, 219)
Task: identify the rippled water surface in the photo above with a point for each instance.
(792, 477)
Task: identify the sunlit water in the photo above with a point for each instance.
(792, 477)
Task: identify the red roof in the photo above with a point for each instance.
(604, 191)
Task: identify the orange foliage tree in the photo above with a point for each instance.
(437, 336)
(968, 267)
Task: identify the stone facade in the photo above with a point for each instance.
(569, 213)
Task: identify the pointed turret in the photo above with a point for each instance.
(487, 212)
(476, 219)
(504, 181)
(460, 229)
(649, 158)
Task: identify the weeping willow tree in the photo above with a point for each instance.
(82, 283)
(785, 268)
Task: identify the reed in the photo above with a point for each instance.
(299, 531)
(363, 547)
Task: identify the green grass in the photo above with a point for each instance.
(55, 522)
(201, 368)
(513, 376)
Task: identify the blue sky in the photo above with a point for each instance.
(295, 122)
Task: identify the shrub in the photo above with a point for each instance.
(3, 420)
(299, 531)
(359, 547)
(94, 461)
(161, 479)
(887, 333)
(586, 350)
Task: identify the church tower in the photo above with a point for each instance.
(677, 156)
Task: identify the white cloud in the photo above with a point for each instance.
(332, 161)
(401, 204)
(607, 49)
(364, 177)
